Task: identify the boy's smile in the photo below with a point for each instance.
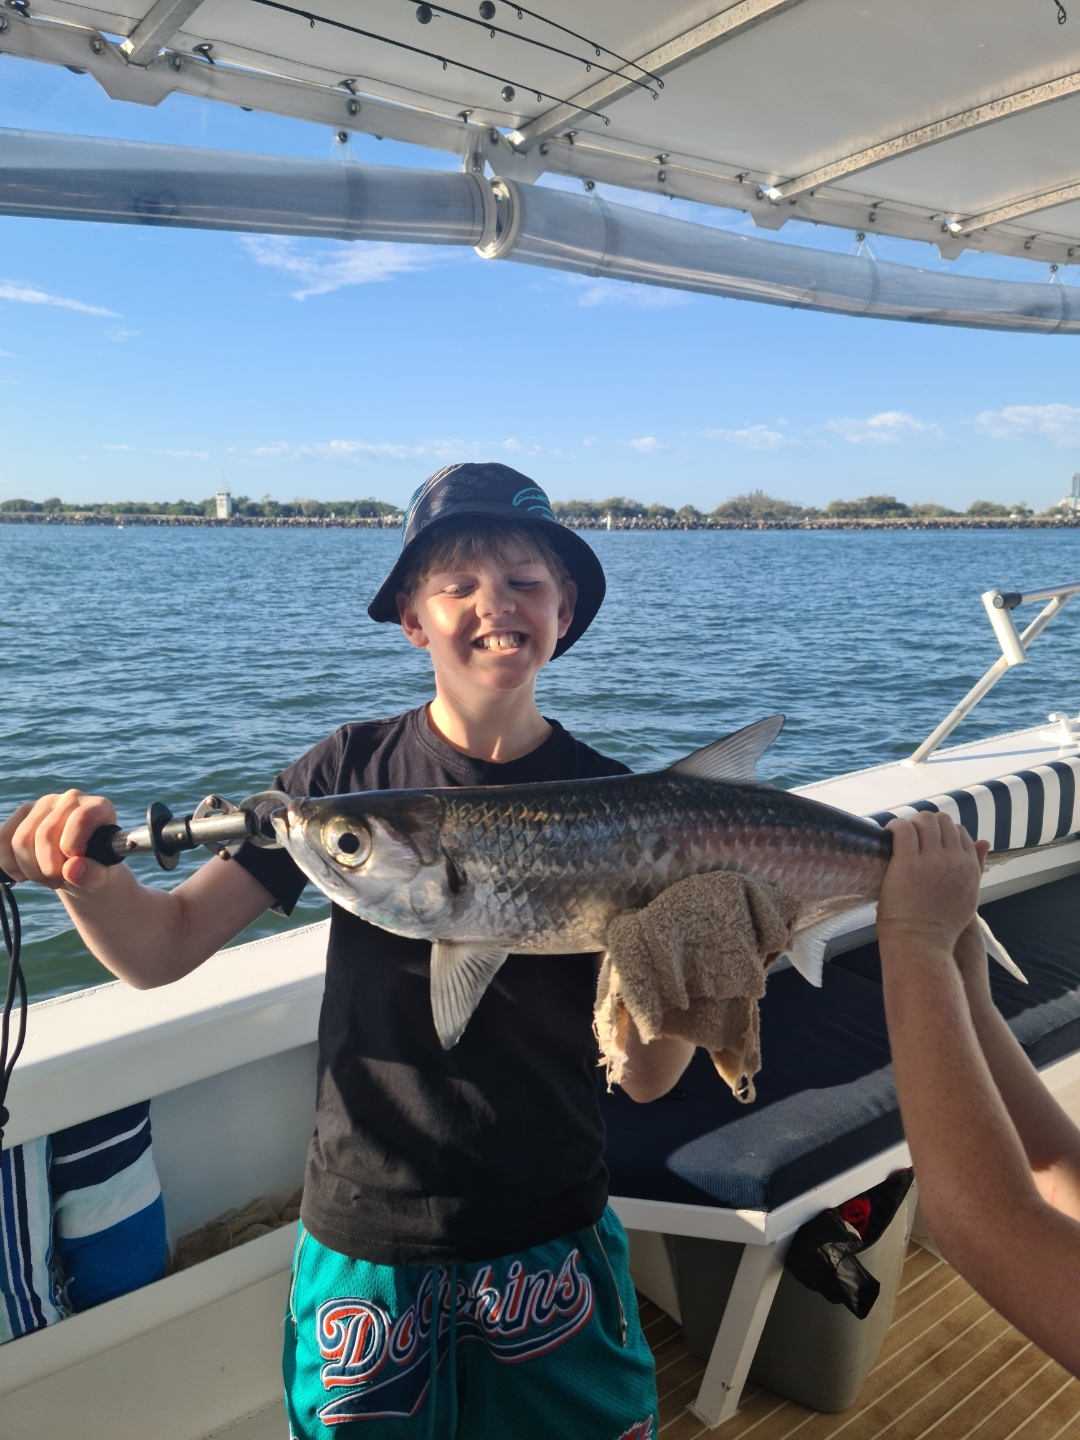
(492, 625)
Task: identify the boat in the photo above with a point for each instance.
(921, 124)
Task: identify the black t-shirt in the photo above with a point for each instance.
(423, 1155)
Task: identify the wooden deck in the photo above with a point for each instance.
(950, 1369)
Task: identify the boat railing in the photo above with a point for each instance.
(1015, 644)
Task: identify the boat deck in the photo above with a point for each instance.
(950, 1369)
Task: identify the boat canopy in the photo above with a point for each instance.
(942, 123)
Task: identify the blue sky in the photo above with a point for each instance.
(148, 363)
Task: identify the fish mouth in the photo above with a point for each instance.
(501, 641)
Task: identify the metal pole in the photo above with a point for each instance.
(988, 681)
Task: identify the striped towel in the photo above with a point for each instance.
(1031, 807)
(29, 1292)
(109, 1216)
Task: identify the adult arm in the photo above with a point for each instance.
(977, 1189)
(146, 937)
(1050, 1139)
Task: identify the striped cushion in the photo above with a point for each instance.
(1032, 807)
(29, 1295)
(110, 1221)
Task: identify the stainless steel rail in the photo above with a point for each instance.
(1014, 647)
(134, 183)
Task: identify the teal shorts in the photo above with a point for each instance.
(539, 1345)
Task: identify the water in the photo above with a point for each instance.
(150, 664)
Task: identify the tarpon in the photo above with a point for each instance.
(483, 872)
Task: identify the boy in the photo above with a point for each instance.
(997, 1158)
(457, 1270)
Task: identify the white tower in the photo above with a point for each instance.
(224, 502)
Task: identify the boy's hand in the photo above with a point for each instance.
(46, 842)
(931, 887)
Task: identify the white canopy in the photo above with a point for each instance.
(947, 122)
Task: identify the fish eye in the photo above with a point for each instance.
(346, 841)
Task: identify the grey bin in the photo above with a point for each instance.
(810, 1351)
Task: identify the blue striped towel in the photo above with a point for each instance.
(109, 1216)
(29, 1292)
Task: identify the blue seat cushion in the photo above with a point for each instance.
(1040, 928)
(826, 1098)
(825, 1101)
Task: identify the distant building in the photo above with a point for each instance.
(224, 503)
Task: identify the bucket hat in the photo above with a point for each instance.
(500, 493)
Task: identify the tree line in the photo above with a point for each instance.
(242, 505)
(755, 505)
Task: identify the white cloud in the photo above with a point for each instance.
(321, 271)
(1060, 424)
(118, 334)
(647, 444)
(28, 295)
(890, 427)
(623, 292)
(453, 448)
(183, 454)
(119, 447)
(751, 437)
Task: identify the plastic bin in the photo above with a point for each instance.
(810, 1351)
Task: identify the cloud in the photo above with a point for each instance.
(1060, 424)
(647, 444)
(751, 437)
(183, 454)
(119, 447)
(118, 334)
(28, 295)
(356, 450)
(890, 427)
(321, 271)
(623, 292)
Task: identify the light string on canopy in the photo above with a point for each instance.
(427, 12)
(444, 60)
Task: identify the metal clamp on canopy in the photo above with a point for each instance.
(1014, 647)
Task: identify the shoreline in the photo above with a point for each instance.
(298, 522)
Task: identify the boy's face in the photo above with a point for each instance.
(493, 625)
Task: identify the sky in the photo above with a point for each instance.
(151, 364)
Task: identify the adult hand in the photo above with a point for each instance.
(45, 841)
(931, 887)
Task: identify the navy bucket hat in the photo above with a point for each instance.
(500, 493)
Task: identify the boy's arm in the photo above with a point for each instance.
(976, 1187)
(146, 937)
(652, 1069)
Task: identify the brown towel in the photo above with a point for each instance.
(692, 964)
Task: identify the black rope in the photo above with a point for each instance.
(521, 10)
(1062, 17)
(428, 54)
(542, 44)
(11, 928)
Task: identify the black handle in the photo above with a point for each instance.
(100, 847)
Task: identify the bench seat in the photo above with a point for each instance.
(825, 1097)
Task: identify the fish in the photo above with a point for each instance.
(487, 871)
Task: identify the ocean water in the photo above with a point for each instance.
(149, 664)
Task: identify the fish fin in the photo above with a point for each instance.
(460, 973)
(734, 757)
(997, 951)
(807, 949)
